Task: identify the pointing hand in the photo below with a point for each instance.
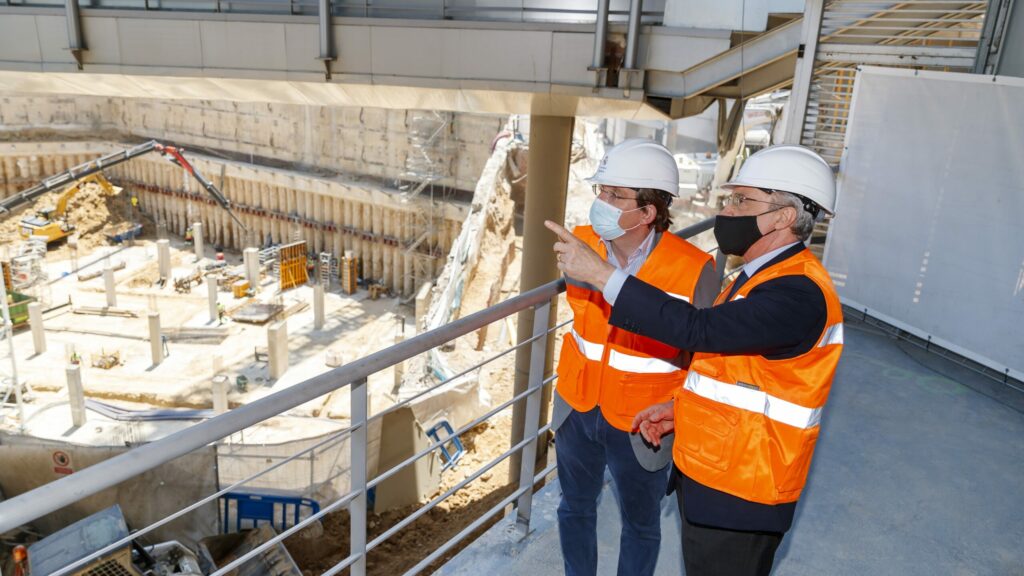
(577, 260)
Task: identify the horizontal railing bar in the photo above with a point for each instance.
(146, 530)
(333, 437)
(696, 228)
(65, 491)
(486, 516)
(459, 486)
(422, 393)
(464, 428)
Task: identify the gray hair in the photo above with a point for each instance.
(804, 223)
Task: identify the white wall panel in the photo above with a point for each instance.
(929, 232)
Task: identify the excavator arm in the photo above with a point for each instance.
(175, 155)
(76, 173)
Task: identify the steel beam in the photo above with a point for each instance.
(804, 70)
(76, 43)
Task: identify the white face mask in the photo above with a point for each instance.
(605, 219)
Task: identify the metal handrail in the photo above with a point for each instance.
(70, 489)
(58, 494)
(369, 10)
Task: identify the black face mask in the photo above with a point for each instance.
(736, 234)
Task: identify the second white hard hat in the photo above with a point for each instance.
(638, 163)
(793, 169)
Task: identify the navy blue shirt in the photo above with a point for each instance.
(781, 318)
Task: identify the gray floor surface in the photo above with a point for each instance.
(919, 471)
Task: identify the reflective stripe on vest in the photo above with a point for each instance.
(622, 361)
(752, 400)
(833, 335)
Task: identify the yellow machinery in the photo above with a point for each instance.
(52, 222)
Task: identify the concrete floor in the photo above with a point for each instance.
(918, 472)
(354, 325)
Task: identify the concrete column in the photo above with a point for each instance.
(220, 393)
(277, 349)
(318, 306)
(422, 302)
(399, 367)
(108, 284)
(251, 258)
(163, 258)
(409, 273)
(35, 320)
(76, 394)
(197, 239)
(546, 184)
(156, 345)
(211, 291)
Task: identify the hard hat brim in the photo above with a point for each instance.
(629, 183)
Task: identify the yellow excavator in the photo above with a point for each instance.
(52, 222)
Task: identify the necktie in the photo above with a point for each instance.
(738, 284)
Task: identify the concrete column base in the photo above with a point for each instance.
(76, 395)
(277, 349)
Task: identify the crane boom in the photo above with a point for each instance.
(76, 173)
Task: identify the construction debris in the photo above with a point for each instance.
(106, 361)
(183, 284)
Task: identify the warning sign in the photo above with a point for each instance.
(62, 462)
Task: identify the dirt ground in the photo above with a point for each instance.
(317, 553)
(93, 212)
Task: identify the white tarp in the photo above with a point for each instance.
(930, 228)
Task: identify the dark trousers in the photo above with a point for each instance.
(587, 444)
(709, 551)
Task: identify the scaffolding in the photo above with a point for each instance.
(425, 166)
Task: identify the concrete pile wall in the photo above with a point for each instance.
(356, 141)
(331, 215)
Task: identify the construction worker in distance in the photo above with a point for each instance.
(606, 375)
(221, 313)
(188, 235)
(747, 418)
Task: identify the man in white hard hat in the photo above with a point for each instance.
(607, 375)
(746, 420)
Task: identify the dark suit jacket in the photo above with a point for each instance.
(781, 318)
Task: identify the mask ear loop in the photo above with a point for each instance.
(634, 210)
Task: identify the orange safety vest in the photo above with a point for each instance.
(616, 369)
(747, 425)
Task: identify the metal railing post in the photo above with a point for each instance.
(531, 421)
(357, 482)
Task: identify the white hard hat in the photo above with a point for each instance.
(638, 163)
(790, 168)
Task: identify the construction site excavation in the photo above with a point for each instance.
(190, 258)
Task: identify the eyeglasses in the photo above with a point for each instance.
(600, 189)
(736, 199)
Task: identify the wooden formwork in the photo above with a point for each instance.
(293, 265)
